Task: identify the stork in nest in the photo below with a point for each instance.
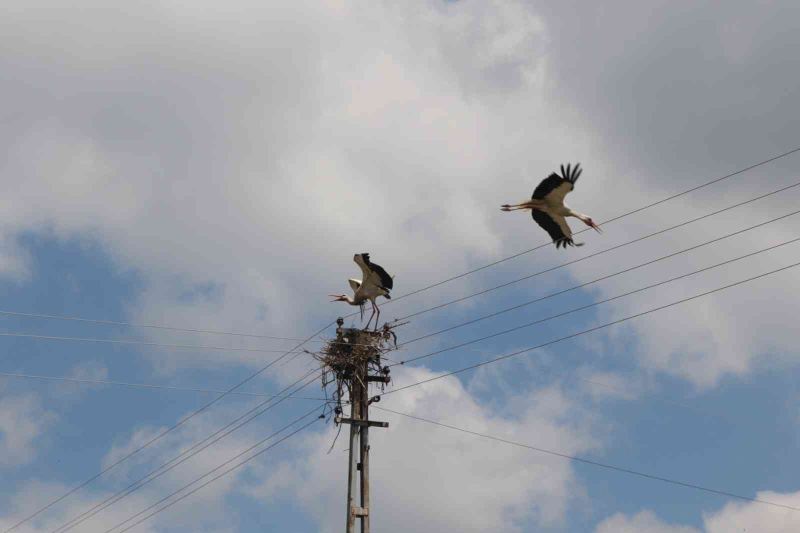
(548, 209)
(375, 282)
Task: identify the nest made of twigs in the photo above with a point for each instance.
(343, 357)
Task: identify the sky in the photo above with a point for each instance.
(215, 166)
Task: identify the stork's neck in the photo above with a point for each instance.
(357, 300)
(570, 213)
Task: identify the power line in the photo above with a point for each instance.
(155, 326)
(162, 434)
(596, 280)
(149, 386)
(229, 470)
(591, 462)
(601, 252)
(149, 326)
(184, 456)
(594, 304)
(606, 222)
(140, 343)
(145, 385)
(583, 332)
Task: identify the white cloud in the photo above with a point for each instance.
(751, 516)
(745, 516)
(642, 522)
(207, 510)
(23, 420)
(14, 260)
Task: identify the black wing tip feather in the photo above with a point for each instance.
(571, 174)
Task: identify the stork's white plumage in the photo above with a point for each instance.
(548, 209)
(375, 282)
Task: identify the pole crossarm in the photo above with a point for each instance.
(367, 423)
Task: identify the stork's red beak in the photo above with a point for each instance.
(336, 297)
(594, 226)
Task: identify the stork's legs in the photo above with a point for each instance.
(376, 312)
(530, 204)
(374, 308)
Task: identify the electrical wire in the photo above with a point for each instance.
(182, 421)
(607, 466)
(589, 330)
(185, 455)
(146, 385)
(596, 280)
(148, 326)
(605, 222)
(229, 470)
(594, 304)
(601, 252)
(141, 343)
(153, 326)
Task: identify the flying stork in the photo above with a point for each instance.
(548, 209)
(375, 282)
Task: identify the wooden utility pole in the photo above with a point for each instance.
(358, 380)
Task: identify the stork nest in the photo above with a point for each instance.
(342, 359)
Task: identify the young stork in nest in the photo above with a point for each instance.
(375, 282)
(548, 209)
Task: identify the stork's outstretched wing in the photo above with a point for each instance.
(555, 187)
(385, 280)
(373, 273)
(556, 226)
(354, 283)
